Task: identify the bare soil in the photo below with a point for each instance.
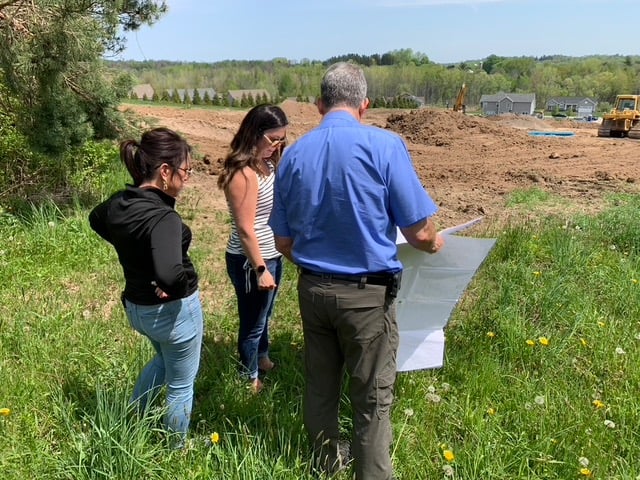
(468, 164)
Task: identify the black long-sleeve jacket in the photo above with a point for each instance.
(151, 242)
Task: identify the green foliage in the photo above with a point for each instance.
(51, 61)
(88, 167)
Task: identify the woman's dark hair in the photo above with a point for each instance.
(157, 146)
(244, 144)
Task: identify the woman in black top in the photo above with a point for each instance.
(161, 294)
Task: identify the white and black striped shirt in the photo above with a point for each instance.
(261, 226)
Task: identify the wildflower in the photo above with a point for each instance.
(215, 437)
(539, 400)
(491, 334)
(445, 387)
(634, 280)
(543, 341)
(583, 342)
(408, 412)
(531, 343)
(598, 404)
(537, 273)
(433, 397)
(431, 389)
(600, 324)
(449, 456)
(612, 247)
(447, 470)
(620, 351)
(491, 411)
(528, 406)
(609, 424)
(5, 412)
(585, 471)
(583, 461)
(443, 446)
(51, 224)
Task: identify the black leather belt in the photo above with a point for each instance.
(370, 278)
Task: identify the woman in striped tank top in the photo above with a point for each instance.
(253, 263)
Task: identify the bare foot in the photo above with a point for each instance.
(256, 386)
(265, 364)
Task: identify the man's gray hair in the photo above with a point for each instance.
(343, 84)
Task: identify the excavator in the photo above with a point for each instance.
(459, 106)
(623, 120)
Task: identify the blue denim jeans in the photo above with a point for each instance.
(254, 310)
(175, 331)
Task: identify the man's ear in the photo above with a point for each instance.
(364, 106)
(320, 104)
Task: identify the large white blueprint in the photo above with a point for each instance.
(432, 285)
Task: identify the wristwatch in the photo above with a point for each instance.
(260, 269)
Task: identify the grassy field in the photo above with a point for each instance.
(540, 378)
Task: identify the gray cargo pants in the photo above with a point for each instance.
(353, 328)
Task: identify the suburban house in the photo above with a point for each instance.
(258, 94)
(142, 90)
(581, 106)
(521, 103)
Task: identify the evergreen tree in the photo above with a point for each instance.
(196, 97)
(52, 59)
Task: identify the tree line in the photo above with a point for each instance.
(407, 74)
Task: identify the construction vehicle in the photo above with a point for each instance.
(459, 106)
(623, 120)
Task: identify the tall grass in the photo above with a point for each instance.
(539, 382)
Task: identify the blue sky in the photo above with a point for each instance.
(447, 31)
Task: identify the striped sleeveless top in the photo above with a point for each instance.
(262, 228)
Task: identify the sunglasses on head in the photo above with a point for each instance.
(274, 142)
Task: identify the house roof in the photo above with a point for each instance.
(143, 89)
(237, 94)
(514, 97)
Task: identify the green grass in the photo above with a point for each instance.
(506, 409)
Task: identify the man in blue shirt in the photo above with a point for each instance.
(340, 192)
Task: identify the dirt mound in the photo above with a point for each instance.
(468, 164)
(442, 128)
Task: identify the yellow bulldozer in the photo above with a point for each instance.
(623, 120)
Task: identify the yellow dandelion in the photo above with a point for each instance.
(443, 446)
(634, 280)
(531, 343)
(583, 342)
(598, 404)
(449, 456)
(543, 341)
(585, 471)
(491, 411)
(5, 412)
(537, 273)
(491, 334)
(601, 324)
(215, 437)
